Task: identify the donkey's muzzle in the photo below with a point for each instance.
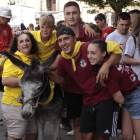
(27, 111)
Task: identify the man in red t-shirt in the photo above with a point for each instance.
(77, 66)
(101, 23)
(73, 94)
(5, 29)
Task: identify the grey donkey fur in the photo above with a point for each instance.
(32, 83)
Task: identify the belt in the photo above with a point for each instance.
(136, 87)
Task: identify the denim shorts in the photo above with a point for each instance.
(132, 104)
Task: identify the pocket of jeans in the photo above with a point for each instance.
(128, 97)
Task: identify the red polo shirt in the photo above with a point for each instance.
(70, 85)
(121, 77)
(106, 32)
(84, 77)
(5, 37)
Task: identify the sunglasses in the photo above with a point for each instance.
(49, 14)
(97, 16)
(20, 32)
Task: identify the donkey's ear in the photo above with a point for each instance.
(45, 65)
(22, 26)
(16, 61)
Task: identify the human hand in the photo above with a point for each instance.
(89, 31)
(103, 74)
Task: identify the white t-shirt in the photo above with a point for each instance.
(133, 50)
(121, 39)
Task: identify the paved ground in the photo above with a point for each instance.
(48, 130)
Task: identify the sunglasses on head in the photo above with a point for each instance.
(20, 32)
(97, 16)
(49, 14)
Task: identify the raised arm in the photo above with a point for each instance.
(89, 31)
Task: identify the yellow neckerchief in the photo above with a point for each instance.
(76, 50)
(52, 85)
(130, 29)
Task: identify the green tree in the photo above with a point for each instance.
(116, 5)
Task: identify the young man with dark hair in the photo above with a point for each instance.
(133, 14)
(74, 62)
(122, 32)
(73, 20)
(73, 94)
(100, 20)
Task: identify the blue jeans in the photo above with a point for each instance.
(132, 104)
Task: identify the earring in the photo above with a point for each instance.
(18, 50)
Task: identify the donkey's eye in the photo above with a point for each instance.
(38, 88)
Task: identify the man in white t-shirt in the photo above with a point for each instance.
(122, 32)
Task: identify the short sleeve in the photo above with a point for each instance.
(130, 47)
(113, 47)
(10, 70)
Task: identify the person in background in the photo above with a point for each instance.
(36, 28)
(123, 85)
(133, 14)
(14, 30)
(132, 48)
(5, 30)
(31, 27)
(25, 48)
(100, 20)
(122, 32)
(96, 29)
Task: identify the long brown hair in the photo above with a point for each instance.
(136, 29)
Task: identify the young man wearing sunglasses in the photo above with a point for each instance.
(46, 36)
(101, 23)
(5, 29)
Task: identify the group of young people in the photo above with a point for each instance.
(88, 68)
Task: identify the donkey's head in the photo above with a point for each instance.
(32, 81)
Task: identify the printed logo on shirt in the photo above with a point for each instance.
(122, 68)
(83, 63)
(105, 35)
(4, 32)
(122, 46)
(133, 77)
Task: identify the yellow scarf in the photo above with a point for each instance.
(52, 85)
(76, 50)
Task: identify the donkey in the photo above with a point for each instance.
(36, 88)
